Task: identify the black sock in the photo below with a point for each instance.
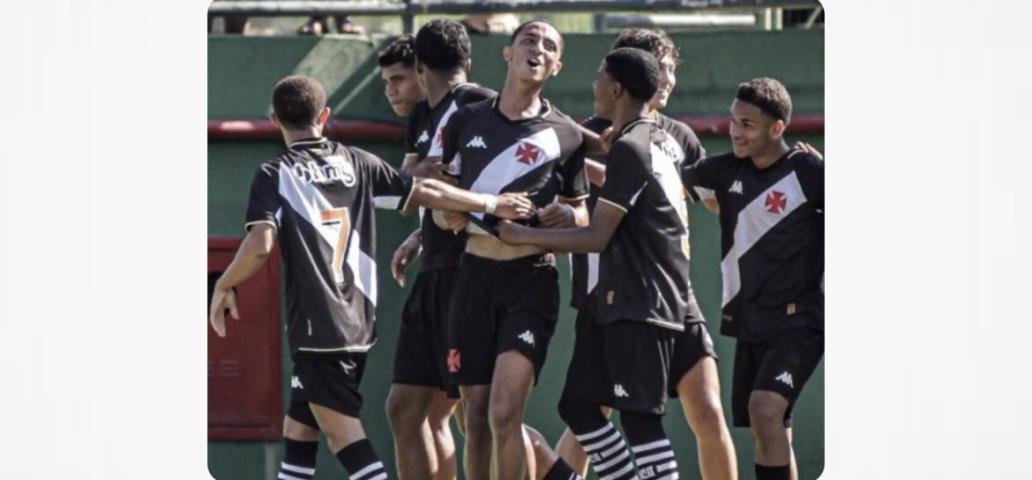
(361, 462)
(772, 473)
(653, 454)
(561, 471)
(298, 460)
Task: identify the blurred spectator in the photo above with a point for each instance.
(491, 23)
(320, 25)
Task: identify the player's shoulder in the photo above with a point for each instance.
(469, 93)
(596, 124)
(799, 158)
(723, 160)
(566, 126)
(676, 127)
(477, 108)
(420, 111)
(635, 137)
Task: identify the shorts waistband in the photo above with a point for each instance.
(542, 260)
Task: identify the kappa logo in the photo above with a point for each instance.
(454, 360)
(477, 142)
(619, 391)
(736, 187)
(348, 368)
(528, 337)
(296, 383)
(785, 378)
(423, 137)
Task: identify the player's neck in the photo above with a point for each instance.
(763, 160)
(292, 136)
(625, 113)
(520, 100)
(438, 85)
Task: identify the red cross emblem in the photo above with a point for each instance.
(454, 360)
(527, 153)
(776, 202)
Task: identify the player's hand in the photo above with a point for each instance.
(454, 221)
(222, 299)
(405, 256)
(557, 215)
(512, 206)
(809, 149)
(434, 170)
(511, 233)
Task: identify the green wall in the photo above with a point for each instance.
(242, 71)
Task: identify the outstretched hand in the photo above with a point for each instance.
(222, 299)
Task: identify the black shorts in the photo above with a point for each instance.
(420, 357)
(692, 345)
(782, 364)
(624, 365)
(326, 379)
(499, 306)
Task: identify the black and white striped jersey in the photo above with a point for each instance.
(489, 153)
(772, 241)
(684, 147)
(320, 197)
(643, 272)
(424, 135)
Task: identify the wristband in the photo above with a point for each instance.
(490, 203)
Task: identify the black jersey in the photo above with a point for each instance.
(423, 137)
(320, 196)
(684, 147)
(541, 155)
(772, 241)
(643, 272)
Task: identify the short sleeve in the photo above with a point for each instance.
(700, 178)
(573, 180)
(626, 177)
(263, 204)
(391, 188)
(811, 176)
(450, 142)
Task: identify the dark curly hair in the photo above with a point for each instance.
(399, 51)
(636, 70)
(297, 101)
(655, 42)
(768, 95)
(443, 45)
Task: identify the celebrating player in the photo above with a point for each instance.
(507, 297)
(772, 242)
(622, 356)
(398, 71)
(318, 198)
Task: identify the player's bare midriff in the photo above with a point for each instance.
(487, 246)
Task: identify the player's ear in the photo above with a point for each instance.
(275, 120)
(507, 53)
(324, 116)
(777, 128)
(558, 66)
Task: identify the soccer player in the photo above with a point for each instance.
(318, 198)
(772, 242)
(622, 356)
(506, 298)
(418, 407)
(694, 376)
(398, 70)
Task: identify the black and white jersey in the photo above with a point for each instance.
(489, 153)
(772, 241)
(424, 135)
(643, 272)
(683, 145)
(320, 197)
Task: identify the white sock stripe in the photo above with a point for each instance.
(654, 458)
(619, 446)
(594, 447)
(296, 469)
(613, 461)
(371, 468)
(667, 466)
(649, 446)
(617, 474)
(672, 476)
(283, 476)
(381, 476)
(596, 433)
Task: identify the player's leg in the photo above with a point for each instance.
(510, 389)
(301, 443)
(698, 387)
(407, 407)
(773, 449)
(477, 453)
(439, 416)
(571, 450)
(347, 440)
(548, 465)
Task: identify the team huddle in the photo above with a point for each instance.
(504, 182)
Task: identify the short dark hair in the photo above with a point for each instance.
(524, 25)
(655, 42)
(399, 51)
(297, 101)
(768, 95)
(635, 69)
(443, 45)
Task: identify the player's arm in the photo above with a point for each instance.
(592, 238)
(253, 253)
(405, 255)
(571, 210)
(596, 172)
(438, 195)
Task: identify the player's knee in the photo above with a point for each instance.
(475, 416)
(506, 415)
(765, 413)
(400, 412)
(704, 412)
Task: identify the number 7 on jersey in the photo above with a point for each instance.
(342, 218)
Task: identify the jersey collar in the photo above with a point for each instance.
(308, 142)
(634, 122)
(546, 108)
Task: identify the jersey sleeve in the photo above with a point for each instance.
(573, 180)
(811, 176)
(701, 178)
(391, 188)
(263, 204)
(450, 142)
(626, 177)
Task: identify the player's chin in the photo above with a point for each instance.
(741, 151)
